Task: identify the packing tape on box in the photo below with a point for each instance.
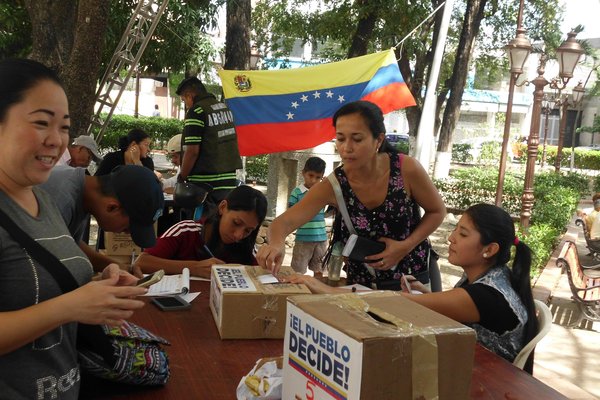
(424, 355)
(424, 344)
(268, 323)
(271, 304)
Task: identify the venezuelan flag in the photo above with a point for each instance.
(291, 109)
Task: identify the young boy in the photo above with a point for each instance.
(311, 238)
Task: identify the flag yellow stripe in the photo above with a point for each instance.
(355, 70)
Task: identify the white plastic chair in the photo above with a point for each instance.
(544, 317)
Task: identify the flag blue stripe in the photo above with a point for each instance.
(279, 108)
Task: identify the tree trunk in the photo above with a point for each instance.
(364, 29)
(82, 71)
(470, 29)
(237, 38)
(52, 31)
(417, 74)
(68, 35)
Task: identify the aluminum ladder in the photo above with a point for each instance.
(124, 62)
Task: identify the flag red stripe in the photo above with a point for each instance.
(276, 137)
(391, 97)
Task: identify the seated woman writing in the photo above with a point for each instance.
(227, 235)
(492, 298)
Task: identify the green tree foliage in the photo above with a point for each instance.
(330, 26)
(180, 42)
(64, 38)
(14, 30)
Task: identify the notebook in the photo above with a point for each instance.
(171, 285)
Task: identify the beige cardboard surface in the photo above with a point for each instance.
(395, 349)
(244, 308)
(120, 244)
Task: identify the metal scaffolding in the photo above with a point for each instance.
(124, 62)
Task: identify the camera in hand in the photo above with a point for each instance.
(358, 247)
(151, 279)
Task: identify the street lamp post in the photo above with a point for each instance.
(532, 143)
(563, 103)
(518, 50)
(546, 110)
(578, 92)
(568, 55)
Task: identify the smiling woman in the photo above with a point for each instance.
(38, 322)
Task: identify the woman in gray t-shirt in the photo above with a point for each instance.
(38, 358)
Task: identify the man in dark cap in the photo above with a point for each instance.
(211, 151)
(129, 199)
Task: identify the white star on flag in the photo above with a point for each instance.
(290, 115)
(329, 94)
(304, 98)
(317, 95)
(341, 99)
(295, 104)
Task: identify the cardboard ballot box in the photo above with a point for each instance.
(245, 308)
(120, 244)
(375, 345)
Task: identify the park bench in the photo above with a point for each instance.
(584, 288)
(593, 245)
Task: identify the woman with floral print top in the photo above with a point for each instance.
(396, 218)
(376, 182)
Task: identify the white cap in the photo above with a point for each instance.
(174, 144)
(89, 143)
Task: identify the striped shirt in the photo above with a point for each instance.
(314, 230)
(209, 125)
(185, 241)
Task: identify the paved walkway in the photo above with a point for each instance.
(566, 359)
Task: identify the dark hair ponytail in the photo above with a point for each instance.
(496, 226)
(520, 280)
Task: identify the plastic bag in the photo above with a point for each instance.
(263, 382)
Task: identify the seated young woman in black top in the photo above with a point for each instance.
(492, 298)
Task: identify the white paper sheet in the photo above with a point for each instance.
(267, 278)
(171, 285)
(190, 296)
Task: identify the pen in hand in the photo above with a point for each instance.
(208, 251)
(132, 260)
